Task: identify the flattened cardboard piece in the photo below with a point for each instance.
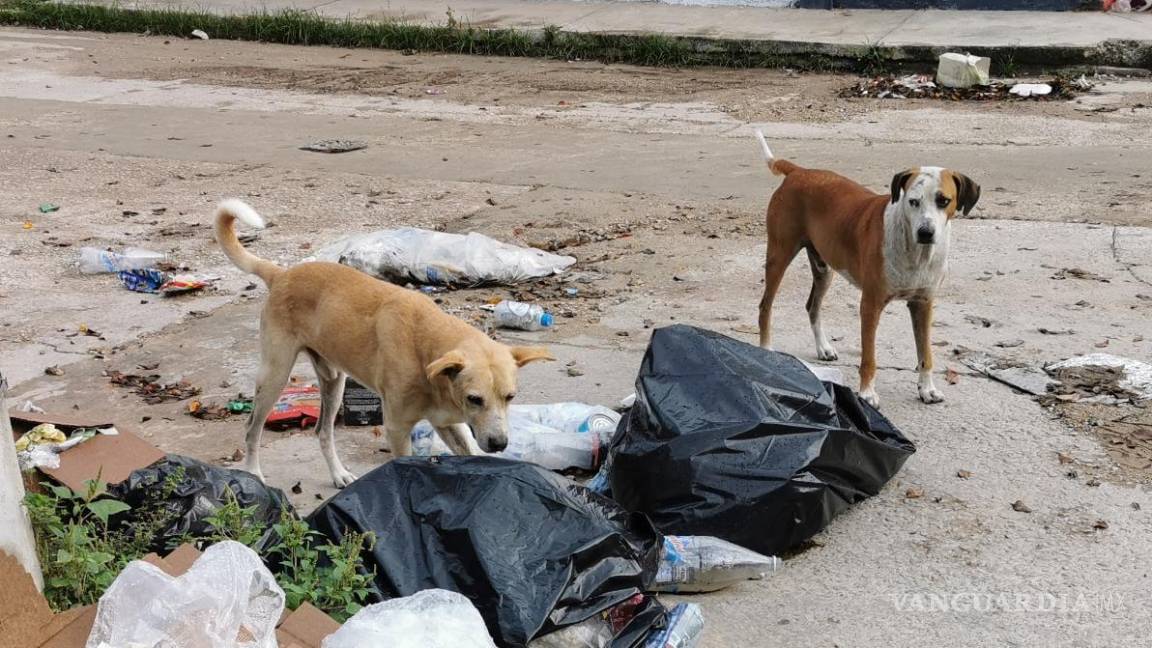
(306, 627)
(112, 457)
(25, 611)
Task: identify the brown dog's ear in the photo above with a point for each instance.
(448, 366)
(898, 182)
(967, 192)
(524, 355)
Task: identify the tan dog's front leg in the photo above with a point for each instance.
(922, 328)
(399, 438)
(870, 309)
(458, 438)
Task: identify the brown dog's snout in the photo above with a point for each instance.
(496, 445)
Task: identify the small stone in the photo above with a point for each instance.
(623, 333)
(54, 370)
(296, 489)
(574, 372)
(1065, 457)
(914, 493)
(1092, 482)
(963, 474)
(238, 455)
(1100, 525)
(1135, 506)
(1020, 507)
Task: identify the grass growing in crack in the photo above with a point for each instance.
(294, 27)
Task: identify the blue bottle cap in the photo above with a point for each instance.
(546, 319)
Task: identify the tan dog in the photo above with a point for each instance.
(425, 363)
(890, 247)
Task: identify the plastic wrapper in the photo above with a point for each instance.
(227, 599)
(198, 492)
(707, 564)
(683, 630)
(426, 257)
(297, 407)
(433, 618)
(730, 440)
(531, 549)
(629, 624)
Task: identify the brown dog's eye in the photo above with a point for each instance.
(478, 401)
(942, 201)
(914, 202)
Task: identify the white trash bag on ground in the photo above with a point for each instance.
(433, 618)
(426, 257)
(707, 564)
(228, 599)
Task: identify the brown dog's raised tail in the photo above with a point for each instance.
(227, 213)
(778, 167)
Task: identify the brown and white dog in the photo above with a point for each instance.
(890, 247)
(425, 363)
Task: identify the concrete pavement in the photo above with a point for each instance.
(1035, 38)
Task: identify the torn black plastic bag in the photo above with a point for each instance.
(198, 492)
(533, 550)
(733, 441)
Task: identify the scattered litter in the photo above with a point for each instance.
(226, 594)
(29, 406)
(707, 564)
(983, 322)
(1020, 507)
(241, 405)
(1079, 273)
(915, 87)
(150, 387)
(1032, 380)
(914, 493)
(95, 261)
(531, 549)
(41, 446)
(200, 491)
(427, 257)
(1103, 373)
(1031, 89)
(951, 376)
(41, 434)
(48, 208)
(1009, 344)
(955, 70)
(1100, 525)
(624, 624)
(433, 618)
(1048, 331)
(684, 627)
(434, 91)
(54, 370)
(297, 408)
(335, 146)
(518, 315)
(200, 33)
(719, 420)
(827, 374)
(1064, 457)
(208, 411)
(1127, 5)
(163, 283)
(963, 474)
(29, 224)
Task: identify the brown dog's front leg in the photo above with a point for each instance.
(870, 309)
(922, 327)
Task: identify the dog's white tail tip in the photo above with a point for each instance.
(242, 211)
(768, 157)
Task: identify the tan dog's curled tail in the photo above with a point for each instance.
(777, 167)
(227, 213)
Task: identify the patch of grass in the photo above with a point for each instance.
(294, 27)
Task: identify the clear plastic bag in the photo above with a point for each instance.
(433, 618)
(426, 257)
(228, 599)
(707, 564)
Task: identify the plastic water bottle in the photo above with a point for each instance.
(551, 449)
(568, 417)
(94, 260)
(518, 315)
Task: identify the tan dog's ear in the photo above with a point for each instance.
(448, 366)
(967, 192)
(524, 355)
(899, 181)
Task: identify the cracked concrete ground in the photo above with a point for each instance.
(136, 138)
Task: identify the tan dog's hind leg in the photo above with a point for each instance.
(821, 280)
(276, 360)
(331, 394)
(922, 328)
(776, 263)
(871, 308)
(459, 440)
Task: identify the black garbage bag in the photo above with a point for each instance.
(190, 492)
(730, 440)
(533, 550)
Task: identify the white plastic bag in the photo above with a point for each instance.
(228, 599)
(707, 564)
(433, 618)
(426, 257)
